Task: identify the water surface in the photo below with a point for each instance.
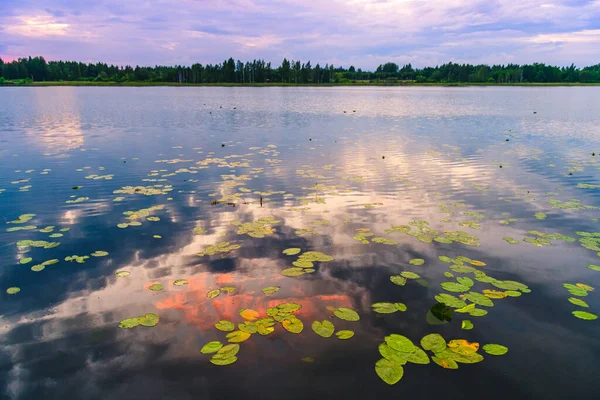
(328, 163)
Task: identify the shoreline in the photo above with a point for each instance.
(374, 84)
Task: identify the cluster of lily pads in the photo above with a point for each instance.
(133, 216)
(259, 229)
(581, 290)
(221, 247)
(305, 262)
(544, 239)
(397, 350)
(282, 313)
(420, 230)
(214, 293)
(464, 285)
(148, 320)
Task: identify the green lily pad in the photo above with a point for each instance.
(347, 314)
(38, 268)
(477, 312)
(292, 324)
(467, 325)
(450, 300)
(213, 293)
(99, 253)
(398, 280)
(445, 362)
(410, 275)
(121, 274)
(388, 308)
(156, 287)
(13, 290)
(294, 271)
(434, 342)
(323, 328)
(344, 334)
(25, 260)
(417, 261)
(148, 320)
(303, 264)
(129, 323)
(495, 349)
(270, 289)
(578, 302)
(594, 267)
(479, 299)
(585, 315)
(180, 282)
(225, 326)
(418, 357)
(292, 251)
(223, 361)
(389, 371)
(227, 351)
(400, 343)
(211, 347)
(454, 287)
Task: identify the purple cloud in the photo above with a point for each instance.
(363, 33)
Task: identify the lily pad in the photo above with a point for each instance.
(294, 271)
(211, 347)
(13, 290)
(417, 261)
(121, 274)
(238, 336)
(398, 280)
(585, 315)
(400, 343)
(25, 260)
(249, 314)
(454, 287)
(467, 325)
(292, 251)
(225, 326)
(292, 324)
(148, 320)
(99, 253)
(323, 328)
(156, 287)
(434, 342)
(213, 293)
(347, 314)
(180, 282)
(578, 302)
(389, 371)
(270, 289)
(594, 267)
(495, 349)
(344, 334)
(410, 275)
(129, 323)
(388, 308)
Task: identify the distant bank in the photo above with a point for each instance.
(345, 84)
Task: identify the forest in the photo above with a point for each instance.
(37, 69)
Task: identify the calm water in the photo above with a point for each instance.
(333, 161)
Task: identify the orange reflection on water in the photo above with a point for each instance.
(203, 312)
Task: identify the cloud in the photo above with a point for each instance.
(359, 32)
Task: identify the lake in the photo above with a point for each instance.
(327, 231)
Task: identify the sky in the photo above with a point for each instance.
(363, 33)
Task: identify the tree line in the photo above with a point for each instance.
(293, 72)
